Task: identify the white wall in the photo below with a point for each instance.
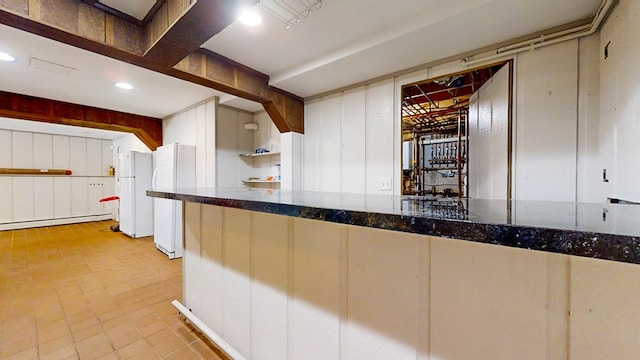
(488, 138)
(42, 200)
(267, 137)
(232, 139)
(278, 287)
(352, 138)
(620, 103)
(196, 126)
(590, 187)
(546, 123)
(349, 141)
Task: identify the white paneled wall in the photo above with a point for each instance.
(49, 200)
(285, 288)
(546, 123)
(620, 102)
(267, 137)
(231, 140)
(277, 287)
(196, 126)
(590, 187)
(349, 140)
(488, 138)
(555, 116)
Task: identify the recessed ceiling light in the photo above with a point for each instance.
(124, 85)
(6, 57)
(250, 17)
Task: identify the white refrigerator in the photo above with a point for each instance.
(175, 168)
(134, 170)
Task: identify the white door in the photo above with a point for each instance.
(163, 232)
(127, 206)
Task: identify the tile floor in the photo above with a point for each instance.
(84, 292)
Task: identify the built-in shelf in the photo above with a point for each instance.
(261, 181)
(260, 154)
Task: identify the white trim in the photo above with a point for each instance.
(208, 332)
(54, 222)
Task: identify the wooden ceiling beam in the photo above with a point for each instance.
(16, 106)
(198, 22)
(89, 28)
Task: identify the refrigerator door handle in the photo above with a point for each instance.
(153, 179)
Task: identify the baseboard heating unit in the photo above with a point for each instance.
(207, 331)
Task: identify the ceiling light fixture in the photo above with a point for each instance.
(290, 12)
(250, 17)
(124, 85)
(6, 57)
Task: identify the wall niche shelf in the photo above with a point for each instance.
(261, 181)
(253, 155)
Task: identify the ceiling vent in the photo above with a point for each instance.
(290, 12)
(51, 67)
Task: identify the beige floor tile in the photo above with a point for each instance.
(45, 348)
(83, 292)
(183, 354)
(28, 354)
(61, 353)
(134, 349)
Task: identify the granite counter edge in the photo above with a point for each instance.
(621, 248)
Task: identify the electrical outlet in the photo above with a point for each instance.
(384, 184)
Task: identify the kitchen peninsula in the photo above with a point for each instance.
(285, 274)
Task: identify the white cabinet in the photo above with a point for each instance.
(61, 152)
(62, 197)
(97, 191)
(79, 196)
(94, 158)
(107, 156)
(43, 200)
(5, 148)
(78, 156)
(23, 197)
(22, 146)
(42, 154)
(6, 192)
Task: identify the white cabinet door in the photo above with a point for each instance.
(94, 158)
(22, 150)
(42, 154)
(78, 156)
(95, 194)
(61, 152)
(62, 197)
(6, 198)
(5, 149)
(23, 198)
(79, 196)
(43, 198)
(107, 156)
(108, 189)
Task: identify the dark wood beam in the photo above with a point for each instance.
(109, 10)
(202, 20)
(16, 106)
(104, 34)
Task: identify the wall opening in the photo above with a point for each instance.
(436, 135)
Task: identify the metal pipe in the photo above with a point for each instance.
(228, 349)
(545, 37)
(459, 160)
(528, 45)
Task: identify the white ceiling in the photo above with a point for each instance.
(350, 41)
(344, 42)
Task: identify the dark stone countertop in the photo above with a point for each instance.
(603, 231)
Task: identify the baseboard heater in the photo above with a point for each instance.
(204, 329)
